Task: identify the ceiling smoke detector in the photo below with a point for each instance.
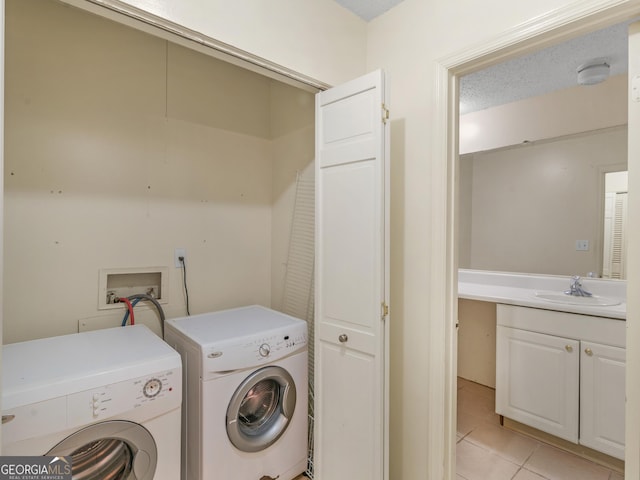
(591, 74)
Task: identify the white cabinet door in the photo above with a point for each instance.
(352, 175)
(537, 381)
(602, 394)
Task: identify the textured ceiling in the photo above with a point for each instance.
(545, 71)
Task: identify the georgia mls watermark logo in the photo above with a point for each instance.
(35, 468)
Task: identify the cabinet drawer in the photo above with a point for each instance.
(602, 330)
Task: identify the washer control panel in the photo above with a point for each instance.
(116, 398)
(256, 350)
(276, 344)
(158, 393)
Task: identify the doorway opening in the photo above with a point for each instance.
(516, 42)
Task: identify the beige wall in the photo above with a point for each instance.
(530, 203)
(121, 147)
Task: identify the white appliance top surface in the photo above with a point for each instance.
(233, 324)
(40, 369)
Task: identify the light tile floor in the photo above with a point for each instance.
(487, 451)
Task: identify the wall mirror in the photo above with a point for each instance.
(532, 169)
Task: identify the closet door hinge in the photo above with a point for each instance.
(385, 114)
(384, 310)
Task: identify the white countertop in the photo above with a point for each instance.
(521, 289)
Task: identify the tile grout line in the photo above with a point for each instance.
(520, 467)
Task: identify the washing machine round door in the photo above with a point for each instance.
(261, 409)
(114, 450)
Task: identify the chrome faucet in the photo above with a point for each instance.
(575, 288)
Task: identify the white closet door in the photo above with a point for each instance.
(352, 175)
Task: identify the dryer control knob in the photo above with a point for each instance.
(264, 350)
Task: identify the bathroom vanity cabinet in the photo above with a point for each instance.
(563, 374)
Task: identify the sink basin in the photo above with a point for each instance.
(594, 300)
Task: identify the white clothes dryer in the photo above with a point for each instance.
(245, 405)
(110, 399)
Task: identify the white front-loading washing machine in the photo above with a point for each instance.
(110, 399)
(245, 405)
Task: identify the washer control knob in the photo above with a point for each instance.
(152, 388)
(264, 350)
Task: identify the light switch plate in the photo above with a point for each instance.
(582, 245)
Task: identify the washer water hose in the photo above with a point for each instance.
(143, 296)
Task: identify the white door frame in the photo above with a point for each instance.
(549, 29)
